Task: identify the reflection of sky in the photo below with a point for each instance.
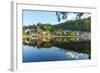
(77, 56)
(33, 54)
(32, 17)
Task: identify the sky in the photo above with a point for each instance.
(31, 17)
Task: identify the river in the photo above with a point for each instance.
(55, 49)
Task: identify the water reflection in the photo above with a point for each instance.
(55, 49)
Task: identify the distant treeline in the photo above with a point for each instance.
(74, 25)
(77, 25)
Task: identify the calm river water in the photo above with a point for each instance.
(55, 50)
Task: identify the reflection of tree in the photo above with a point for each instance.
(39, 42)
(78, 46)
(83, 47)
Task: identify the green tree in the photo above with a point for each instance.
(61, 15)
(78, 15)
(47, 27)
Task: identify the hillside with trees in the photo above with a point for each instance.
(77, 25)
(73, 25)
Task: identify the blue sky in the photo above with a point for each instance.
(33, 17)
